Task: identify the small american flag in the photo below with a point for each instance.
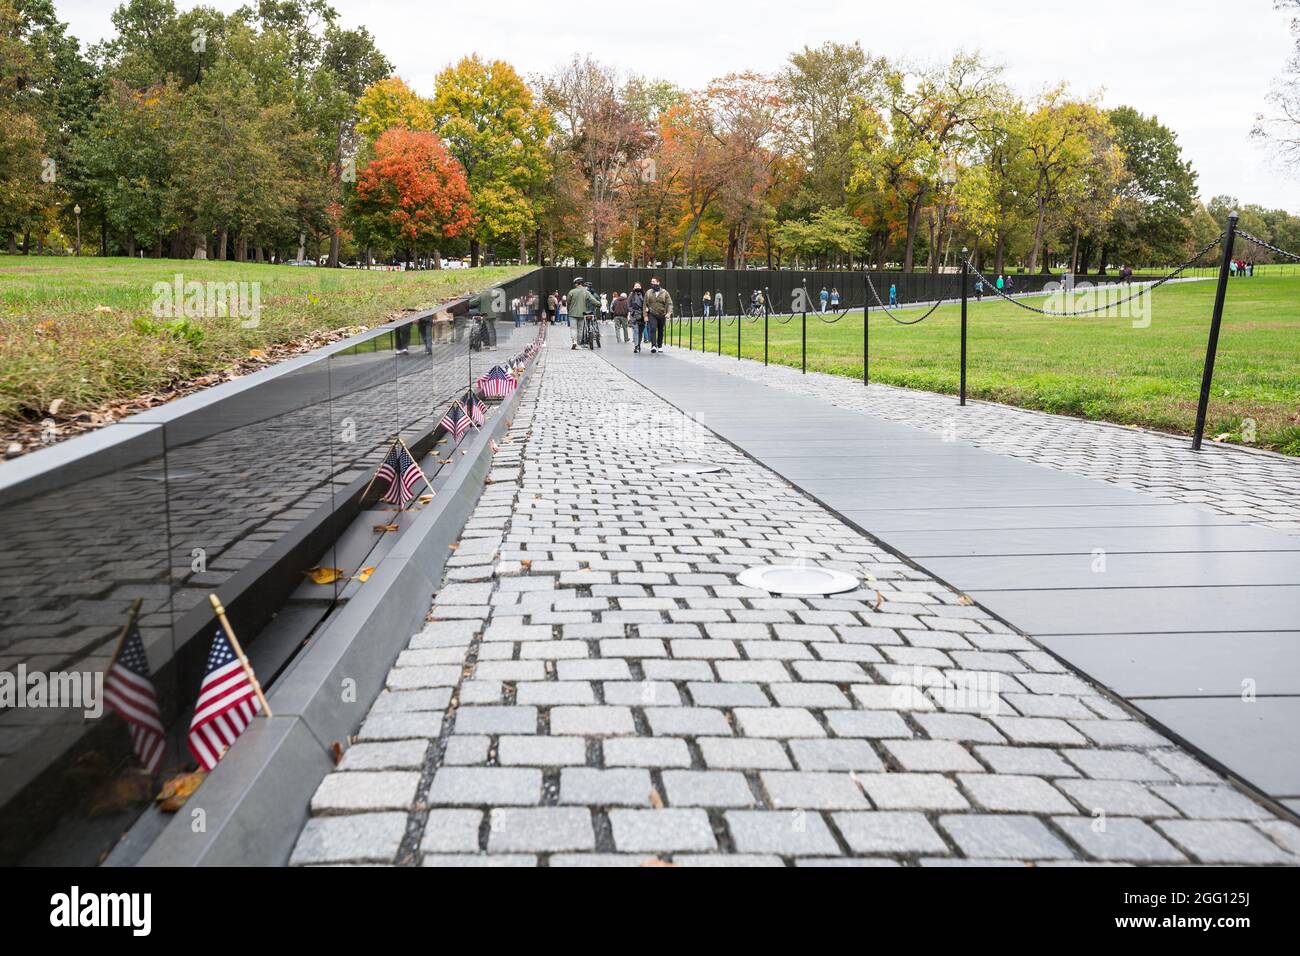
(497, 383)
(474, 405)
(456, 421)
(227, 703)
(402, 473)
(129, 690)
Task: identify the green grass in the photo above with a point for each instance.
(59, 341)
(1094, 367)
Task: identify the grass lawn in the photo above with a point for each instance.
(1100, 368)
(82, 330)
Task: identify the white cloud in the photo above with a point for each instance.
(1203, 66)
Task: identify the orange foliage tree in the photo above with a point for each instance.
(412, 194)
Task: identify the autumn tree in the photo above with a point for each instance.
(606, 136)
(412, 194)
(489, 120)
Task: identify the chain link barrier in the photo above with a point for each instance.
(876, 295)
(1242, 234)
(1144, 290)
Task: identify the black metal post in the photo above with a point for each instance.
(1212, 347)
(740, 320)
(963, 327)
(866, 315)
(803, 347)
(690, 332)
(719, 334)
(767, 295)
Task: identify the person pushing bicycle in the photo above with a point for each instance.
(582, 308)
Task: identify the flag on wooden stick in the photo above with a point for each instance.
(229, 697)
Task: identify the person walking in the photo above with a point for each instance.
(636, 313)
(619, 308)
(1001, 283)
(707, 303)
(893, 294)
(426, 332)
(582, 303)
(563, 306)
(604, 307)
(659, 306)
(823, 298)
(835, 298)
(979, 290)
(552, 306)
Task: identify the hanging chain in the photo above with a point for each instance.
(1267, 245)
(1109, 305)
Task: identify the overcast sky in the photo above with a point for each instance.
(1203, 67)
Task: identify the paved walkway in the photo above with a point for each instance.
(1189, 612)
(594, 687)
(1253, 486)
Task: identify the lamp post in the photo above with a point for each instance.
(76, 211)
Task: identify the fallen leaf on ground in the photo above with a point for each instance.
(965, 600)
(381, 528)
(177, 790)
(424, 499)
(452, 547)
(526, 564)
(336, 751)
(324, 575)
(364, 574)
(656, 801)
(655, 861)
(55, 406)
(880, 599)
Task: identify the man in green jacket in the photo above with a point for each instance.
(582, 303)
(659, 308)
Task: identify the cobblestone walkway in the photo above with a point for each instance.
(1260, 488)
(594, 687)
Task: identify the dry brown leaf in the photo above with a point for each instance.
(381, 528)
(104, 309)
(880, 599)
(424, 499)
(336, 751)
(364, 574)
(965, 600)
(656, 801)
(324, 575)
(526, 564)
(453, 546)
(256, 354)
(177, 790)
(55, 406)
(655, 861)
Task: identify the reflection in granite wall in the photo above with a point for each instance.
(184, 507)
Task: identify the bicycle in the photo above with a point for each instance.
(590, 337)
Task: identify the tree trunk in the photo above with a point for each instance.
(999, 253)
(223, 238)
(130, 247)
(1101, 266)
(913, 221)
(474, 252)
(436, 259)
(335, 242)
(523, 248)
(1074, 253)
(1038, 238)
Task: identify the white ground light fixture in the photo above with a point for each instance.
(797, 579)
